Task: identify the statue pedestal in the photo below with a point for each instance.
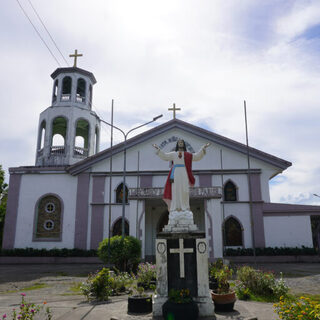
(180, 221)
(182, 263)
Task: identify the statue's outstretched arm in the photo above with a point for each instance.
(199, 155)
(164, 156)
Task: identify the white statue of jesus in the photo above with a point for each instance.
(176, 192)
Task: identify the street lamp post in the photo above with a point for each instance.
(125, 135)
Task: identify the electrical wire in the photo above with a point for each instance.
(35, 11)
(54, 57)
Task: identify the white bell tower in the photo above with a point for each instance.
(69, 130)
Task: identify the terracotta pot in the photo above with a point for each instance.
(223, 302)
(180, 311)
(138, 304)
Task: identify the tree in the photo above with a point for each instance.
(3, 202)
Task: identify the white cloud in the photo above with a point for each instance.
(303, 15)
(207, 57)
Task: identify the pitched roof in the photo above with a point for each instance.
(178, 124)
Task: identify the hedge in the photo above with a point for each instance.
(31, 252)
(270, 251)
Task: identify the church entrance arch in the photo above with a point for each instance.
(156, 217)
(163, 221)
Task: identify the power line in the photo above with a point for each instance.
(38, 33)
(35, 11)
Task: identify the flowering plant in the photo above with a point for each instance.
(30, 311)
(146, 274)
(180, 296)
(304, 309)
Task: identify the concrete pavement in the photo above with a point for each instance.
(56, 285)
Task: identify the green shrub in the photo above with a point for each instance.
(145, 274)
(98, 286)
(214, 268)
(125, 253)
(260, 283)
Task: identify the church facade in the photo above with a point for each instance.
(63, 201)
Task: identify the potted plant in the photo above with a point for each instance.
(139, 302)
(180, 306)
(213, 269)
(223, 298)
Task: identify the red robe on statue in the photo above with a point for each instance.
(188, 163)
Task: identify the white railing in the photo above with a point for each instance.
(57, 150)
(65, 97)
(80, 98)
(82, 152)
(195, 192)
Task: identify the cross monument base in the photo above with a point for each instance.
(182, 263)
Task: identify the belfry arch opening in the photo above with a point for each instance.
(59, 132)
(55, 91)
(96, 140)
(90, 96)
(81, 90)
(81, 145)
(42, 134)
(66, 88)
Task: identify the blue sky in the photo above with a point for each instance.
(206, 56)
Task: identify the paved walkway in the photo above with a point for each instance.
(55, 284)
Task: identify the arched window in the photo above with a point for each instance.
(119, 193)
(81, 144)
(59, 132)
(232, 232)
(55, 91)
(230, 191)
(81, 90)
(48, 218)
(66, 88)
(117, 228)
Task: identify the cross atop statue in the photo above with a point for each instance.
(174, 109)
(75, 55)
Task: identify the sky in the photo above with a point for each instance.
(205, 56)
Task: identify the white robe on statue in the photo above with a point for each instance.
(180, 186)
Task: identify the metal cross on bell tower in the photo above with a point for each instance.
(75, 56)
(174, 109)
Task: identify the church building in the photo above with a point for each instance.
(63, 200)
